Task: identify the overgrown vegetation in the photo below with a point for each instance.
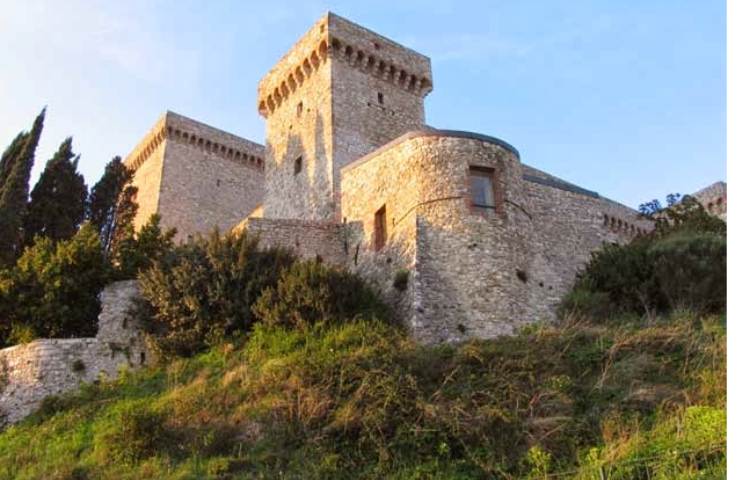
(52, 291)
(681, 264)
(60, 247)
(203, 290)
(362, 400)
(308, 293)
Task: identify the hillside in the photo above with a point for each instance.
(363, 400)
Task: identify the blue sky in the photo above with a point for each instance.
(627, 98)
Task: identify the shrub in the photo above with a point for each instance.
(204, 290)
(134, 432)
(682, 264)
(135, 252)
(618, 279)
(691, 269)
(53, 289)
(311, 292)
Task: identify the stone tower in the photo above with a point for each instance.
(341, 92)
(195, 176)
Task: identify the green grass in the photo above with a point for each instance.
(362, 400)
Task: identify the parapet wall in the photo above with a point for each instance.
(29, 373)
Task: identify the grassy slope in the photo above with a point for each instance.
(364, 401)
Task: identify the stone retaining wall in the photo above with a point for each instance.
(31, 372)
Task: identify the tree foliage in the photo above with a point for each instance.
(310, 292)
(57, 206)
(135, 252)
(53, 290)
(111, 201)
(682, 263)
(205, 289)
(15, 172)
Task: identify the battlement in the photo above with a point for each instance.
(179, 128)
(337, 38)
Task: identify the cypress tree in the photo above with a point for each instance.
(111, 203)
(57, 206)
(16, 165)
(125, 213)
(10, 155)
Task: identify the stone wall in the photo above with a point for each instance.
(308, 239)
(474, 273)
(295, 100)
(31, 372)
(195, 176)
(714, 199)
(339, 93)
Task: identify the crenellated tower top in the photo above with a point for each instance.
(339, 93)
(337, 38)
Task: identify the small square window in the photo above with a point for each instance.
(380, 229)
(380, 98)
(482, 187)
(297, 165)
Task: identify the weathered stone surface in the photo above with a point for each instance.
(31, 372)
(339, 93)
(195, 176)
(714, 199)
(309, 239)
(345, 138)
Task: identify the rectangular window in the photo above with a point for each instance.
(482, 187)
(380, 98)
(380, 233)
(297, 165)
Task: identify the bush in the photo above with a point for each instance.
(691, 269)
(204, 290)
(135, 252)
(53, 289)
(682, 264)
(311, 292)
(134, 432)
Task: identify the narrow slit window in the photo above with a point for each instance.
(380, 98)
(298, 165)
(482, 186)
(380, 228)
(299, 109)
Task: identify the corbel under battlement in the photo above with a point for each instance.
(178, 128)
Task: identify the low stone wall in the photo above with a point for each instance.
(31, 372)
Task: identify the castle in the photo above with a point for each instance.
(461, 236)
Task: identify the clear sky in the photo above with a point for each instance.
(626, 97)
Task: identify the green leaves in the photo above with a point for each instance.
(53, 288)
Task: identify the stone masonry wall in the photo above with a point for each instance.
(714, 199)
(308, 239)
(475, 273)
(195, 176)
(295, 100)
(323, 106)
(31, 372)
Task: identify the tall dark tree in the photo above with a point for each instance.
(15, 168)
(10, 155)
(110, 202)
(57, 206)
